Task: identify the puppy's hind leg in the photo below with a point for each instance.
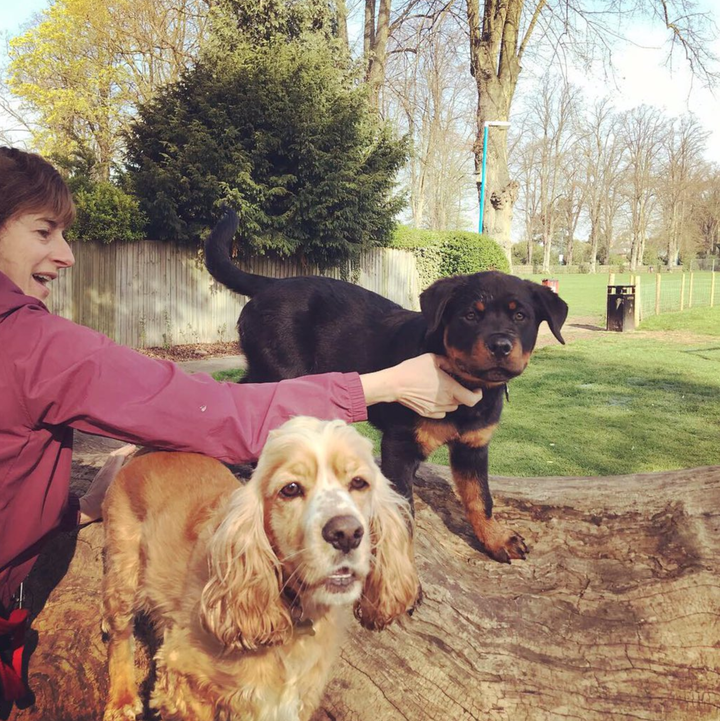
(120, 584)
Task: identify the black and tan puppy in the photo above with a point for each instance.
(485, 323)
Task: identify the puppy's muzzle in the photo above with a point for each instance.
(344, 533)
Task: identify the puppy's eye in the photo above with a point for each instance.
(470, 315)
(292, 490)
(358, 483)
(519, 315)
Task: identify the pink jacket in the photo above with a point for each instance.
(56, 375)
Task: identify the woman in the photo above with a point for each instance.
(56, 376)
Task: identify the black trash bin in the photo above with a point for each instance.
(620, 307)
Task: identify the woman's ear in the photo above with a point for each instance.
(241, 604)
(392, 587)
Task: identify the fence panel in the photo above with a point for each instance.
(147, 294)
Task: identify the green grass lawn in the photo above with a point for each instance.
(586, 295)
(613, 404)
(703, 321)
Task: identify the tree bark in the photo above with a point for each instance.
(614, 614)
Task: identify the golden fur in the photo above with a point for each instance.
(233, 576)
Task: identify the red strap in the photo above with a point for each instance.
(12, 687)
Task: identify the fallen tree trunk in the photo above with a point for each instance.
(615, 614)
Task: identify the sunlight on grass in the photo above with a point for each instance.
(612, 404)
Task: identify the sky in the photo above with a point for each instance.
(640, 77)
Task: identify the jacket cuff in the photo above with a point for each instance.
(71, 515)
(358, 408)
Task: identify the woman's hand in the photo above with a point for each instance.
(421, 384)
(91, 502)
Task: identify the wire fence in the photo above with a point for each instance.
(661, 292)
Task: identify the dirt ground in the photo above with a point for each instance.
(192, 351)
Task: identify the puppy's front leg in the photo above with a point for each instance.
(469, 466)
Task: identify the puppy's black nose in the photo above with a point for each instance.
(343, 533)
(500, 346)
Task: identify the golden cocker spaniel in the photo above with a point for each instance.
(250, 586)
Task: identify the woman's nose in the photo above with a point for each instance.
(63, 255)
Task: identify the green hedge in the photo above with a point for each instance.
(441, 253)
(105, 213)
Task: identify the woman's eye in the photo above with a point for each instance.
(292, 490)
(358, 483)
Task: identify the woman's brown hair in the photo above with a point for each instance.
(28, 183)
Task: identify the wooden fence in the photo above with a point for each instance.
(148, 294)
(657, 293)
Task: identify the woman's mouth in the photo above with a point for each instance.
(42, 279)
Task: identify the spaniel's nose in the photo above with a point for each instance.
(500, 346)
(343, 533)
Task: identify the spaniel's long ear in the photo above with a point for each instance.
(241, 603)
(392, 586)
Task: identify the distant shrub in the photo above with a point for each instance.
(465, 252)
(441, 253)
(106, 214)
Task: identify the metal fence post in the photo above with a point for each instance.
(638, 302)
(658, 281)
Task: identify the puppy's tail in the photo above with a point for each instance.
(219, 263)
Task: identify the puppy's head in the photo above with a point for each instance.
(487, 323)
(317, 525)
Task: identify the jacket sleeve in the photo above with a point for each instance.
(71, 375)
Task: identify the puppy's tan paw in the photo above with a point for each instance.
(502, 544)
(511, 546)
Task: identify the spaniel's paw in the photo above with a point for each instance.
(126, 709)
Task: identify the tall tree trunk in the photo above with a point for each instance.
(342, 21)
(613, 614)
(377, 54)
(495, 65)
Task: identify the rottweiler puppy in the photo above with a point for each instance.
(486, 324)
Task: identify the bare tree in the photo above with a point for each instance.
(684, 145)
(555, 112)
(645, 133)
(707, 213)
(426, 95)
(500, 34)
(601, 153)
(525, 162)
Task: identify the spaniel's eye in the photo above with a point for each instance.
(358, 483)
(518, 316)
(292, 490)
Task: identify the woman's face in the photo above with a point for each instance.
(32, 251)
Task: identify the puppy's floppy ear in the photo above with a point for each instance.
(241, 603)
(434, 300)
(550, 307)
(392, 586)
